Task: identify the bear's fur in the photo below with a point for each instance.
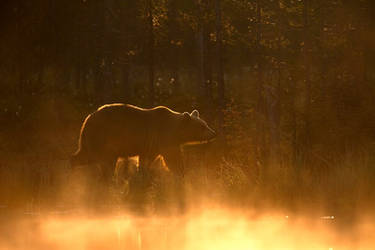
(122, 130)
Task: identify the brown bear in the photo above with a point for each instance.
(123, 130)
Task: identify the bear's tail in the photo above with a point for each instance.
(78, 159)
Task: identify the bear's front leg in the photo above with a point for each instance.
(173, 159)
(140, 184)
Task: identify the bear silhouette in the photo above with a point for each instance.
(123, 130)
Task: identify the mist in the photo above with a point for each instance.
(287, 86)
(210, 228)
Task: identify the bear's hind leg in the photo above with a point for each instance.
(101, 189)
(107, 168)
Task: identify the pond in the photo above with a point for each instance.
(197, 230)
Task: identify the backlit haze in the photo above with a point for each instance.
(200, 229)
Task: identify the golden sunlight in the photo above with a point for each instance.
(217, 229)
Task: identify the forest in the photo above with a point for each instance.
(287, 84)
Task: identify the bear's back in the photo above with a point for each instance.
(114, 126)
(119, 119)
(119, 123)
(128, 109)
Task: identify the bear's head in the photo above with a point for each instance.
(195, 130)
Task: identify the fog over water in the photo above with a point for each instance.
(209, 228)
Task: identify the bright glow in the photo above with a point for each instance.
(202, 230)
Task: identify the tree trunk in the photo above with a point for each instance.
(173, 31)
(100, 60)
(201, 31)
(294, 124)
(205, 71)
(127, 16)
(220, 70)
(151, 45)
(260, 133)
(18, 67)
(275, 104)
(307, 48)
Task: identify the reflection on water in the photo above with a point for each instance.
(210, 229)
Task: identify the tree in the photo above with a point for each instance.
(151, 52)
(219, 46)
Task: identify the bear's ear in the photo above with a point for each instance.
(186, 116)
(195, 113)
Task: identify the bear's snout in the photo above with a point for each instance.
(212, 134)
